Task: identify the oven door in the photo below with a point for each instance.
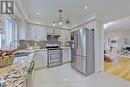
(54, 57)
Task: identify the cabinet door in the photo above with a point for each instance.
(68, 36)
(53, 31)
(69, 54)
(1, 23)
(63, 35)
(40, 59)
(45, 57)
(66, 55)
(57, 31)
(39, 33)
(49, 31)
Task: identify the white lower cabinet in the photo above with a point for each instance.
(66, 55)
(40, 58)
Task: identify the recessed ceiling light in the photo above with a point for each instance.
(60, 23)
(38, 13)
(86, 7)
(53, 24)
(65, 79)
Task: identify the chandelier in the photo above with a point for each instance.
(60, 21)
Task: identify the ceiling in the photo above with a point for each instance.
(105, 10)
(121, 25)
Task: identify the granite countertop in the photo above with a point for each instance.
(66, 48)
(15, 74)
(29, 50)
(12, 77)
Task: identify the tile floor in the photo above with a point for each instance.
(65, 76)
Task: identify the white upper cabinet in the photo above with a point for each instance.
(38, 33)
(53, 31)
(57, 31)
(2, 24)
(22, 30)
(49, 31)
(62, 35)
(68, 36)
(65, 35)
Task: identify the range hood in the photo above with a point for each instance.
(53, 34)
(52, 38)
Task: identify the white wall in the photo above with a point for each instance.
(101, 45)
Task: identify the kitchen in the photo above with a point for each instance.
(37, 47)
(41, 53)
(57, 43)
(44, 44)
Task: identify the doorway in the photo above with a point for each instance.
(117, 48)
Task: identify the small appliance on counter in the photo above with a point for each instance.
(54, 55)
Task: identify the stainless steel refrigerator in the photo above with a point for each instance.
(82, 54)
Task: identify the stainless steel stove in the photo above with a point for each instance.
(54, 55)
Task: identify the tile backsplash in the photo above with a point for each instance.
(23, 43)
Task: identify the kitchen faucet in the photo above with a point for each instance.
(11, 43)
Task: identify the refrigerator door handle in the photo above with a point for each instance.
(77, 41)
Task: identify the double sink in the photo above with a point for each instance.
(22, 54)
